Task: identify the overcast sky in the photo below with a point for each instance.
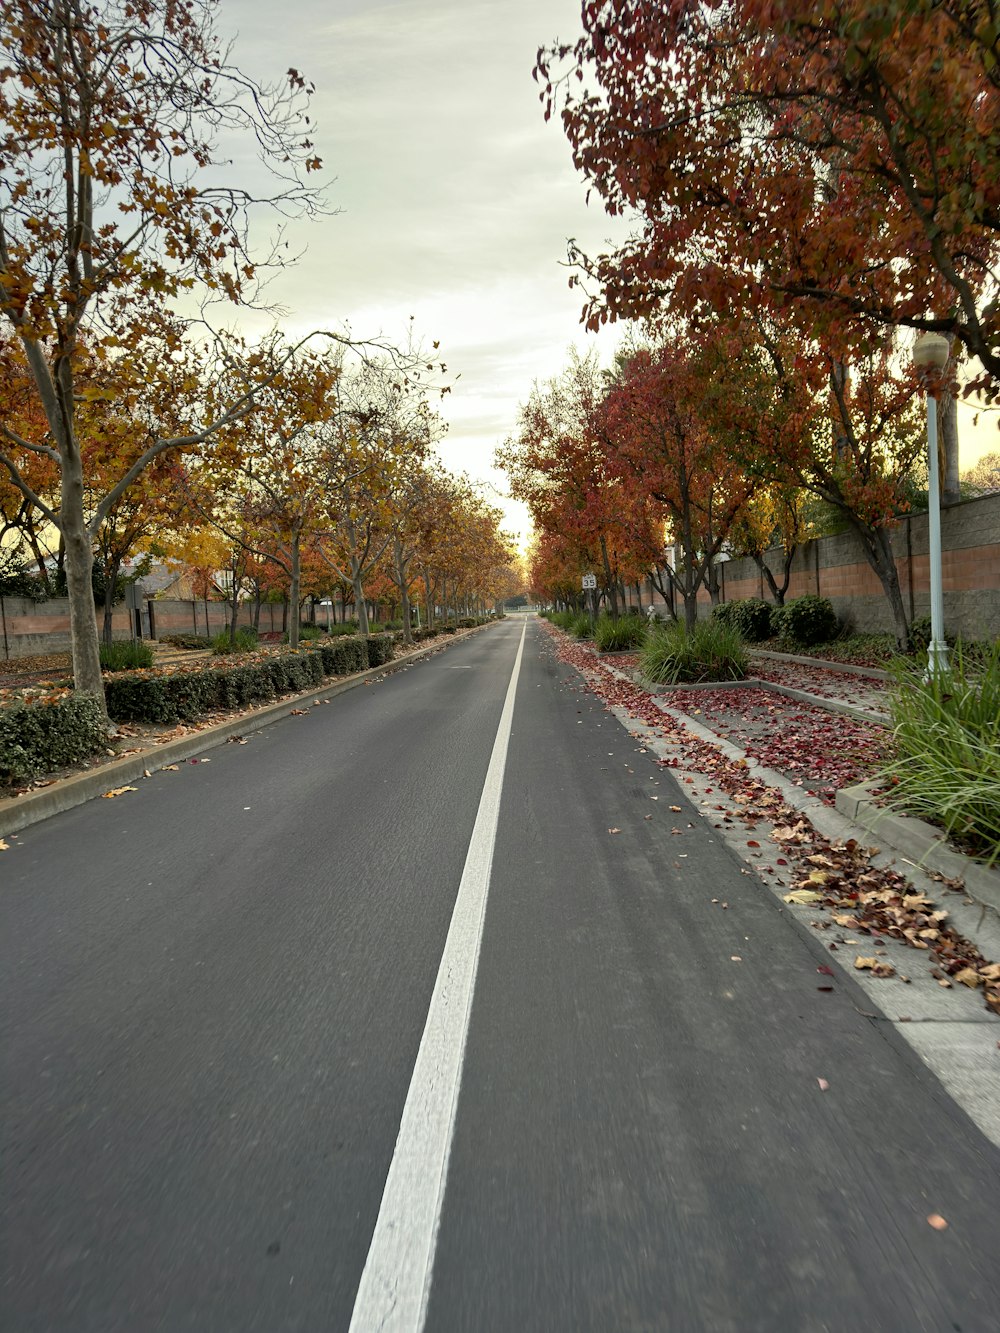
(456, 198)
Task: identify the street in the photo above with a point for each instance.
(215, 1028)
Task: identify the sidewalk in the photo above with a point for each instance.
(925, 951)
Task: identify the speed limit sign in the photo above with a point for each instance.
(589, 581)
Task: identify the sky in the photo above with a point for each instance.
(456, 199)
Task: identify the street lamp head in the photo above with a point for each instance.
(931, 351)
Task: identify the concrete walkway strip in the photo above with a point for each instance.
(395, 1284)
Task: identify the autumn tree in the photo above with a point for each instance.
(840, 158)
(373, 443)
(114, 205)
(560, 464)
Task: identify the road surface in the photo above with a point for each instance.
(371, 1023)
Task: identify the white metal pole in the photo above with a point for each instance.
(937, 649)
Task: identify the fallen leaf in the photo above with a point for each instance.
(874, 966)
(735, 958)
(803, 896)
(169, 768)
(4, 847)
(827, 971)
(823, 1085)
(117, 791)
(614, 830)
(936, 1221)
(676, 808)
(968, 976)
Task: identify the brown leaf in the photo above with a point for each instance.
(936, 1221)
(614, 830)
(117, 791)
(968, 976)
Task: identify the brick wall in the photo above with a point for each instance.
(835, 567)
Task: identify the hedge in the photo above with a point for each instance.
(344, 656)
(190, 694)
(36, 738)
(380, 649)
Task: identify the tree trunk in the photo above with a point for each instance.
(79, 567)
(712, 579)
(360, 605)
(293, 592)
(404, 592)
(690, 607)
(610, 583)
(777, 592)
(878, 550)
(948, 436)
(111, 582)
(429, 602)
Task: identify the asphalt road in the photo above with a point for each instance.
(214, 990)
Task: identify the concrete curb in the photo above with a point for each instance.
(920, 844)
(20, 812)
(823, 664)
(751, 682)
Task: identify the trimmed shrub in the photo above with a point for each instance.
(614, 636)
(126, 655)
(36, 738)
(712, 651)
(751, 617)
(344, 657)
(380, 649)
(808, 619)
(139, 699)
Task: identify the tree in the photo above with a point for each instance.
(840, 157)
(374, 441)
(109, 214)
(984, 476)
(654, 420)
(560, 465)
(262, 482)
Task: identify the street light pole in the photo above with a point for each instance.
(930, 352)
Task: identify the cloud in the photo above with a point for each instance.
(456, 197)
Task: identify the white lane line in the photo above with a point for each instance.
(396, 1282)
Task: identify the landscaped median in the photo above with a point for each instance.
(46, 730)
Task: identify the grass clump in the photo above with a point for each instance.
(947, 736)
(711, 651)
(619, 635)
(126, 655)
(244, 641)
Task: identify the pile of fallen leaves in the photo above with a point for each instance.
(849, 892)
(879, 903)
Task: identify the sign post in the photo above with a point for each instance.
(590, 586)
